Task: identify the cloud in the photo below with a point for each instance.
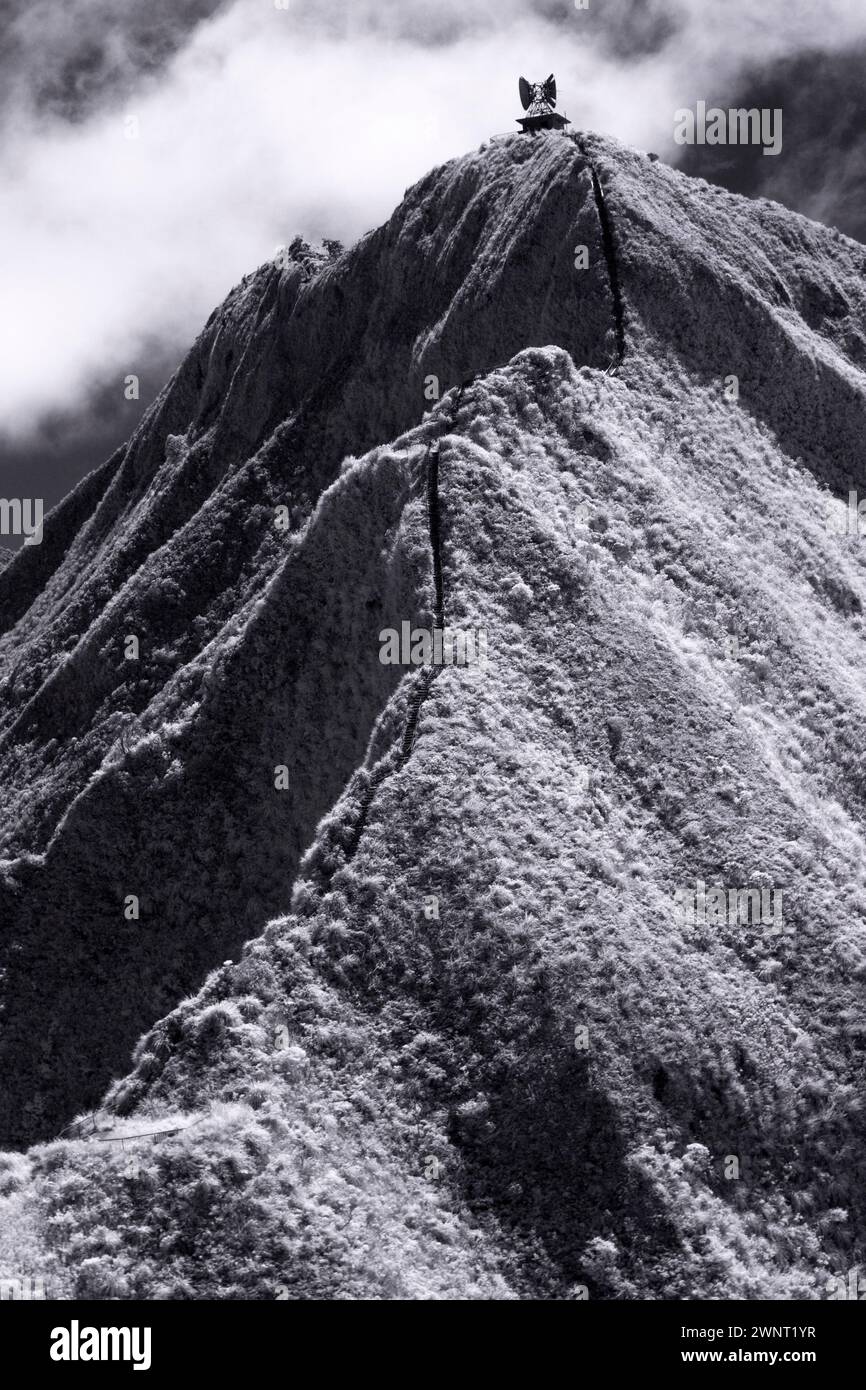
(255, 123)
(65, 59)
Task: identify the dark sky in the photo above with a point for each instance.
(64, 446)
(821, 171)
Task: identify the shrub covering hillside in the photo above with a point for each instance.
(470, 1048)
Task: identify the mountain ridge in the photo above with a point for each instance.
(402, 1047)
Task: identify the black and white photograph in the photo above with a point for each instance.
(432, 670)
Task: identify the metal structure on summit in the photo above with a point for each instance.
(538, 100)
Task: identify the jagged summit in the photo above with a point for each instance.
(475, 1025)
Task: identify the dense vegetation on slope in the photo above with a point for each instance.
(240, 623)
(477, 1053)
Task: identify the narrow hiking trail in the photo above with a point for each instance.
(609, 246)
(425, 678)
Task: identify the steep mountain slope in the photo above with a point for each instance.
(482, 1055)
(175, 544)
